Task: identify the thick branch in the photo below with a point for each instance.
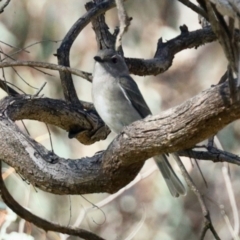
(103, 37)
(176, 129)
(87, 124)
(42, 223)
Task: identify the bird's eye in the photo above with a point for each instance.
(114, 60)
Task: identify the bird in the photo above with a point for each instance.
(119, 102)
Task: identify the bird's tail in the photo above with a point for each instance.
(175, 186)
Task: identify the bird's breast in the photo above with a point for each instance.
(111, 103)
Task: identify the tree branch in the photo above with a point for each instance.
(160, 63)
(166, 51)
(85, 75)
(176, 129)
(40, 222)
(64, 50)
(213, 154)
(207, 219)
(88, 126)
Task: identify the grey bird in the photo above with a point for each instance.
(119, 102)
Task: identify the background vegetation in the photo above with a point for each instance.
(146, 209)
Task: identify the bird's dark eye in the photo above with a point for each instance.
(114, 60)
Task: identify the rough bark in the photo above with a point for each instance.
(175, 129)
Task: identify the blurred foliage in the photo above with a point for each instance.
(147, 206)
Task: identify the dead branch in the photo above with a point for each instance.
(39, 222)
(178, 128)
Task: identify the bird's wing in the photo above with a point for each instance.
(131, 91)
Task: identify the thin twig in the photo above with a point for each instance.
(4, 6)
(195, 8)
(50, 137)
(8, 56)
(3, 75)
(138, 226)
(124, 21)
(51, 66)
(224, 34)
(7, 44)
(231, 196)
(70, 210)
(40, 222)
(192, 186)
(95, 206)
(212, 154)
(16, 71)
(6, 88)
(23, 78)
(28, 46)
(25, 127)
(40, 89)
(201, 173)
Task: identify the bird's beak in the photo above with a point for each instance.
(98, 59)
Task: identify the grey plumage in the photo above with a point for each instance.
(119, 102)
